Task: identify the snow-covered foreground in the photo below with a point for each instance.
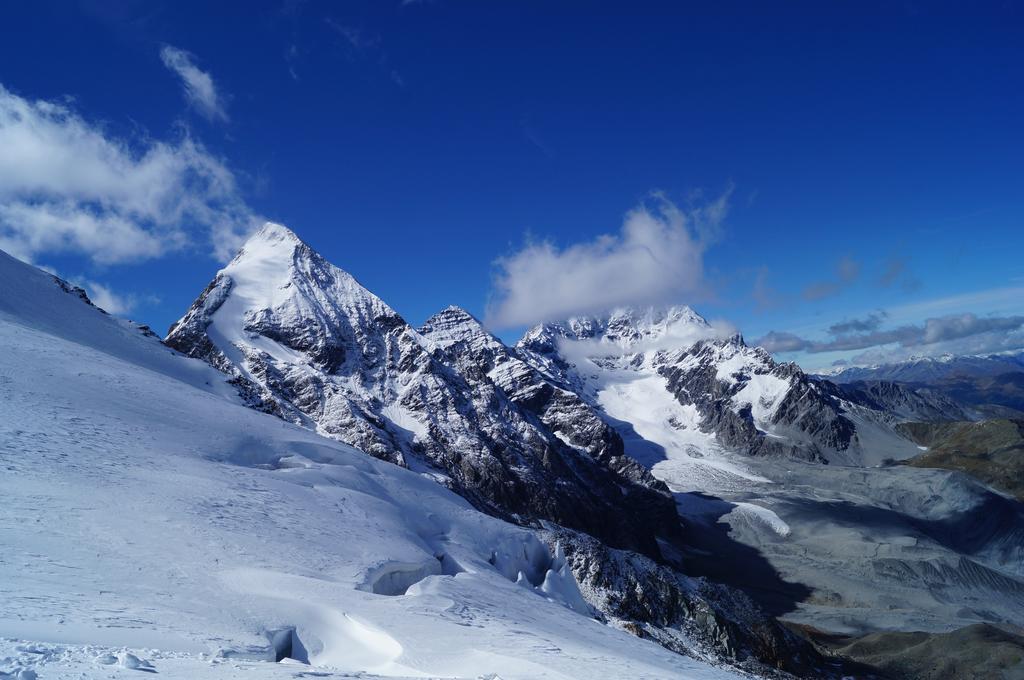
(150, 523)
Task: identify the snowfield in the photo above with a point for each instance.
(149, 522)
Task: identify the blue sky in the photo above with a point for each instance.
(789, 167)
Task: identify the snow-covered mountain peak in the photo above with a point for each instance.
(275, 265)
(454, 324)
(691, 376)
(279, 297)
(272, 233)
(628, 326)
(623, 331)
(302, 339)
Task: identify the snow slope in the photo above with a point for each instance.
(149, 519)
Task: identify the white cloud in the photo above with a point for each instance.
(104, 297)
(674, 337)
(933, 330)
(847, 272)
(199, 88)
(656, 258)
(983, 343)
(67, 186)
(964, 333)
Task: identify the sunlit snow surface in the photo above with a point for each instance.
(670, 441)
(148, 522)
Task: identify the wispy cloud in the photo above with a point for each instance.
(356, 38)
(765, 297)
(782, 341)
(530, 134)
(657, 257)
(932, 331)
(895, 270)
(847, 271)
(892, 271)
(103, 296)
(865, 324)
(982, 343)
(291, 58)
(68, 186)
(1006, 301)
(361, 44)
(198, 85)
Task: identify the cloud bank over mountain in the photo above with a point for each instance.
(657, 257)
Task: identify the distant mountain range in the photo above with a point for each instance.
(985, 386)
(933, 369)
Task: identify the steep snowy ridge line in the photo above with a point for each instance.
(314, 346)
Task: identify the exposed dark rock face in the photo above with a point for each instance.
(304, 340)
(188, 334)
(481, 358)
(688, 615)
(77, 291)
(904, 403)
(745, 398)
(695, 377)
(984, 386)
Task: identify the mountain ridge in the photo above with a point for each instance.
(317, 347)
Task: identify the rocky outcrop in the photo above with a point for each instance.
(688, 615)
(304, 340)
(464, 344)
(903, 403)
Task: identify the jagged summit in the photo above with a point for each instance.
(629, 325)
(624, 329)
(722, 393)
(272, 232)
(277, 297)
(303, 339)
(454, 324)
(274, 257)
